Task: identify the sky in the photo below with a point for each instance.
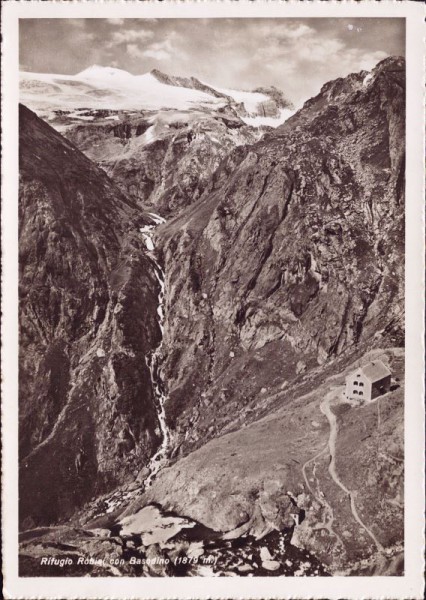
(296, 55)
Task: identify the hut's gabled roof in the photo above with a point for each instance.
(373, 371)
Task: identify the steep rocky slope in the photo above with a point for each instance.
(293, 254)
(260, 501)
(163, 159)
(264, 477)
(284, 270)
(160, 137)
(88, 302)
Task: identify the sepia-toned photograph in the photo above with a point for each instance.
(212, 297)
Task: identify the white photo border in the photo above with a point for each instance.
(410, 585)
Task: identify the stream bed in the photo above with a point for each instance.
(159, 460)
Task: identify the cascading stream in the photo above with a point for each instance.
(159, 459)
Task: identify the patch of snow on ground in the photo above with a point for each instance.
(113, 117)
(367, 79)
(149, 135)
(146, 232)
(153, 526)
(82, 117)
(285, 114)
(251, 100)
(156, 218)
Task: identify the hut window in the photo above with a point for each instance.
(355, 391)
(355, 382)
(361, 393)
(361, 384)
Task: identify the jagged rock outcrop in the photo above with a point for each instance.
(276, 95)
(295, 249)
(189, 82)
(164, 161)
(88, 301)
(275, 101)
(268, 108)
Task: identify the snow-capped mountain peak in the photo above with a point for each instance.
(105, 75)
(100, 71)
(100, 87)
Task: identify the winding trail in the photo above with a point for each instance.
(159, 460)
(320, 497)
(331, 417)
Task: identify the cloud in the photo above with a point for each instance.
(299, 48)
(130, 36)
(296, 46)
(293, 32)
(79, 23)
(157, 54)
(164, 50)
(134, 51)
(282, 32)
(370, 60)
(160, 51)
(320, 51)
(296, 55)
(83, 37)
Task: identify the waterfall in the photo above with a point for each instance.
(159, 460)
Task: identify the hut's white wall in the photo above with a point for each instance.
(358, 387)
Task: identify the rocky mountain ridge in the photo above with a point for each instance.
(188, 82)
(88, 318)
(273, 98)
(100, 87)
(293, 250)
(163, 159)
(283, 268)
(163, 145)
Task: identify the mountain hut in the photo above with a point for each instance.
(368, 382)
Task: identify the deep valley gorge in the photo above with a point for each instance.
(195, 286)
